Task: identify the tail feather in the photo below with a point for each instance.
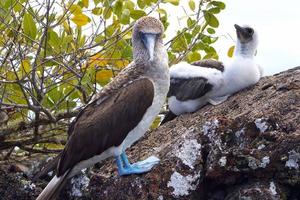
(52, 190)
(168, 117)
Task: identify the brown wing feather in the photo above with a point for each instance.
(210, 64)
(102, 126)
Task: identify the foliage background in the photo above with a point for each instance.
(55, 55)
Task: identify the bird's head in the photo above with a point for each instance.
(146, 38)
(247, 40)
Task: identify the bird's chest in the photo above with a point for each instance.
(240, 76)
(161, 87)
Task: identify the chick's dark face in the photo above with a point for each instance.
(244, 34)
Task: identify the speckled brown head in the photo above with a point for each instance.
(147, 38)
(148, 25)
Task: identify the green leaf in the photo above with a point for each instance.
(129, 5)
(162, 11)
(9, 3)
(230, 51)
(211, 19)
(206, 39)
(215, 10)
(107, 12)
(18, 7)
(99, 39)
(192, 5)
(127, 52)
(97, 11)
(125, 17)
(29, 26)
(55, 95)
(97, 1)
(174, 2)
(136, 14)
(193, 56)
(211, 31)
(118, 8)
(188, 37)
(191, 23)
(67, 105)
(179, 44)
(199, 46)
(149, 2)
(53, 39)
(141, 4)
(211, 55)
(196, 30)
(219, 4)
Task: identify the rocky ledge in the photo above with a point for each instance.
(246, 148)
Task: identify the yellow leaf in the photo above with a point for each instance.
(11, 76)
(85, 3)
(25, 66)
(75, 9)
(67, 27)
(230, 51)
(80, 19)
(121, 63)
(98, 60)
(54, 146)
(103, 76)
(156, 123)
(127, 36)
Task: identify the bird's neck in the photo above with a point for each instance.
(246, 50)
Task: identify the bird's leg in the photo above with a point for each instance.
(119, 165)
(125, 160)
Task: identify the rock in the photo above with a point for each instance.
(246, 148)
(15, 186)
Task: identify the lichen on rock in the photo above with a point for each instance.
(182, 184)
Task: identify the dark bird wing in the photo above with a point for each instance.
(208, 63)
(104, 124)
(188, 88)
(193, 88)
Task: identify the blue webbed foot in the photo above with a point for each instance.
(148, 163)
(125, 168)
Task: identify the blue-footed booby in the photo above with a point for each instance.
(121, 113)
(209, 81)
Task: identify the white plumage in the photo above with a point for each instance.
(239, 72)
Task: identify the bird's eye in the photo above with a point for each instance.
(142, 35)
(250, 30)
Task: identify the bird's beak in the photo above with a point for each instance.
(149, 40)
(238, 28)
(242, 33)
